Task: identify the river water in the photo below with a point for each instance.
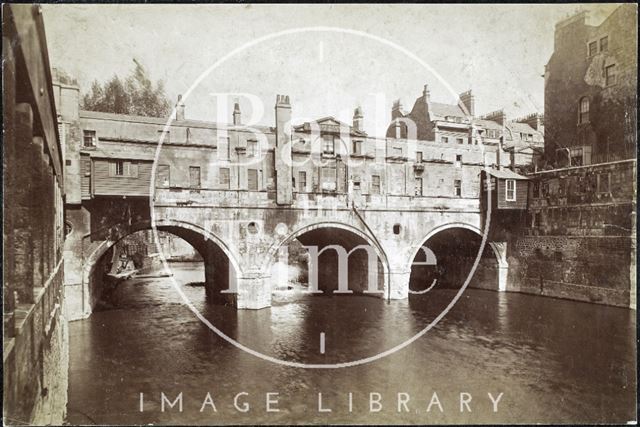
(552, 360)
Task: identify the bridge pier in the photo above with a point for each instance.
(500, 250)
(254, 291)
(398, 284)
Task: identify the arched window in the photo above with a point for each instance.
(584, 110)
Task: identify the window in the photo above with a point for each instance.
(460, 140)
(167, 136)
(604, 44)
(458, 160)
(419, 157)
(457, 188)
(610, 75)
(89, 139)
(418, 187)
(302, 181)
(604, 183)
(252, 148)
(163, 176)
(194, 177)
(328, 145)
(396, 229)
(593, 48)
(576, 156)
(396, 151)
(328, 179)
(224, 178)
(123, 168)
(511, 190)
(252, 179)
(584, 110)
(536, 190)
(357, 147)
(356, 182)
(444, 139)
(375, 184)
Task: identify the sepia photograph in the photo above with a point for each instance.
(319, 214)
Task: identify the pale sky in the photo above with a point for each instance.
(498, 51)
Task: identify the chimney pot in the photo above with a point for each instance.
(180, 108)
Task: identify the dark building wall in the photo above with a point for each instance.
(574, 73)
(579, 237)
(35, 352)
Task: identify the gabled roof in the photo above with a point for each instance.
(329, 120)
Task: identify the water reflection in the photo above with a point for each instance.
(556, 361)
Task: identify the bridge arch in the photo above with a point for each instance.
(350, 236)
(221, 265)
(496, 249)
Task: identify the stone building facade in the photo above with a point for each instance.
(590, 90)
(457, 125)
(579, 241)
(334, 165)
(35, 345)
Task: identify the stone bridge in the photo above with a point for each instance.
(241, 235)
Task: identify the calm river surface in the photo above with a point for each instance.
(553, 360)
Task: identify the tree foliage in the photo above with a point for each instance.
(136, 95)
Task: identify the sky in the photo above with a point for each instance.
(370, 55)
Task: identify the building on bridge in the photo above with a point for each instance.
(224, 188)
(35, 345)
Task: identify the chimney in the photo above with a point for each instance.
(498, 116)
(284, 174)
(468, 100)
(357, 119)
(180, 109)
(236, 113)
(534, 120)
(426, 94)
(396, 110)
